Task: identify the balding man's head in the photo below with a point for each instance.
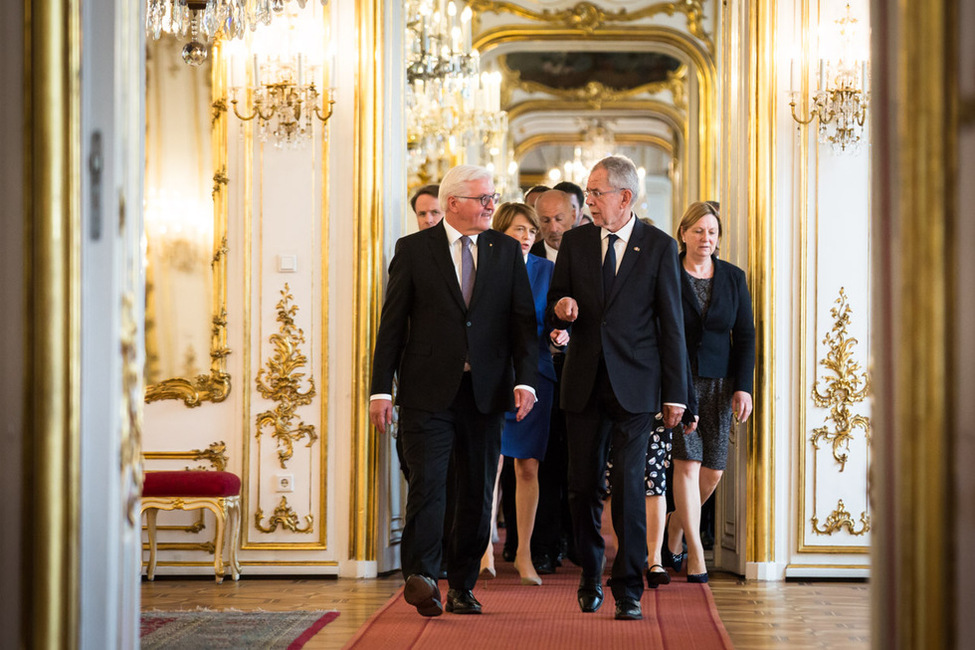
(555, 216)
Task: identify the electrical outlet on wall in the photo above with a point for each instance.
(284, 483)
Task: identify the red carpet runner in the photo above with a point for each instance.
(679, 616)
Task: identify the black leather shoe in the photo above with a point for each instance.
(699, 578)
(462, 601)
(628, 609)
(543, 565)
(590, 594)
(657, 578)
(422, 592)
(508, 555)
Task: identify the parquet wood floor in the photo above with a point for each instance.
(757, 615)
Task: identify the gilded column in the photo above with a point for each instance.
(368, 274)
(915, 130)
(53, 212)
(760, 543)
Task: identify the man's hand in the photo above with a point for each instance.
(524, 401)
(672, 415)
(381, 413)
(559, 337)
(692, 427)
(741, 405)
(567, 309)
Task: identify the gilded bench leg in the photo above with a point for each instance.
(233, 514)
(151, 521)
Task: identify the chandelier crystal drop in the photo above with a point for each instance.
(201, 21)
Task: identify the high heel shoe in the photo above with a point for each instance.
(657, 578)
(699, 578)
(529, 579)
(674, 560)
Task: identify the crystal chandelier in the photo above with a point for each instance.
(451, 107)
(599, 144)
(841, 102)
(282, 77)
(202, 20)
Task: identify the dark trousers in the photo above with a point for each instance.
(603, 421)
(472, 441)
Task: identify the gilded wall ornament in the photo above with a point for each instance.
(846, 387)
(283, 516)
(215, 454)
(130, 444)
(841, 518)
(595, 94)
(588, 17)
(279, 381)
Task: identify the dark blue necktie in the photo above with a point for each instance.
(609, 265)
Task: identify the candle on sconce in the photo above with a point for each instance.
(792, 72)
(257, 73)
(822, 75)
(863, 79)
(301, 70)
(232, 64)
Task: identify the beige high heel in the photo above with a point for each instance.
(530, 579)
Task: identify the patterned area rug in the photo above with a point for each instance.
(212, 629)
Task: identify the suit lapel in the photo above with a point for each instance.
(633, 249)
(485, 262)
(440, 251)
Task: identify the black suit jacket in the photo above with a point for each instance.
(538, 249)
(723, 342)
(638, 328)
(426, 332)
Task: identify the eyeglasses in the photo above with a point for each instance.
(484, 198)
(598, 193)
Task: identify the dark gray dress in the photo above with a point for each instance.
(709, 442)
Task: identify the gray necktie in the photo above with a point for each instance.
(466, 269)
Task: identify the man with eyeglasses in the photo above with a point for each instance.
(617, 284)
(458, 329)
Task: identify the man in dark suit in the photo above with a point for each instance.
(458, 328)
(617, 284)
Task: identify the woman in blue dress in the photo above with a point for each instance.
(527, 440)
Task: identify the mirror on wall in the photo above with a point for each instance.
(184, 267)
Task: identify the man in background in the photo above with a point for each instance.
(426, 206)
(555, 216)
(534, 192)
(578, 200)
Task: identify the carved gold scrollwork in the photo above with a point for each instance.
(596, 94)
(279, 381)
(220, 178)
(131, 434)
(588, 17)
(283, 516)
(841, 518)
(846, 387)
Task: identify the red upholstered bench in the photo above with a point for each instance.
(218, 492)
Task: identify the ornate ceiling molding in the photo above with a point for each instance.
(595, 93)
(542, 139)
(588, 17)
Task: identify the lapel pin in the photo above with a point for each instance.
(636, 248)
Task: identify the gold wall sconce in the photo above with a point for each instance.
(282, 77)
(841, 102)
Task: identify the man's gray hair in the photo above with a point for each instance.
(621, 173)
(455, 182)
